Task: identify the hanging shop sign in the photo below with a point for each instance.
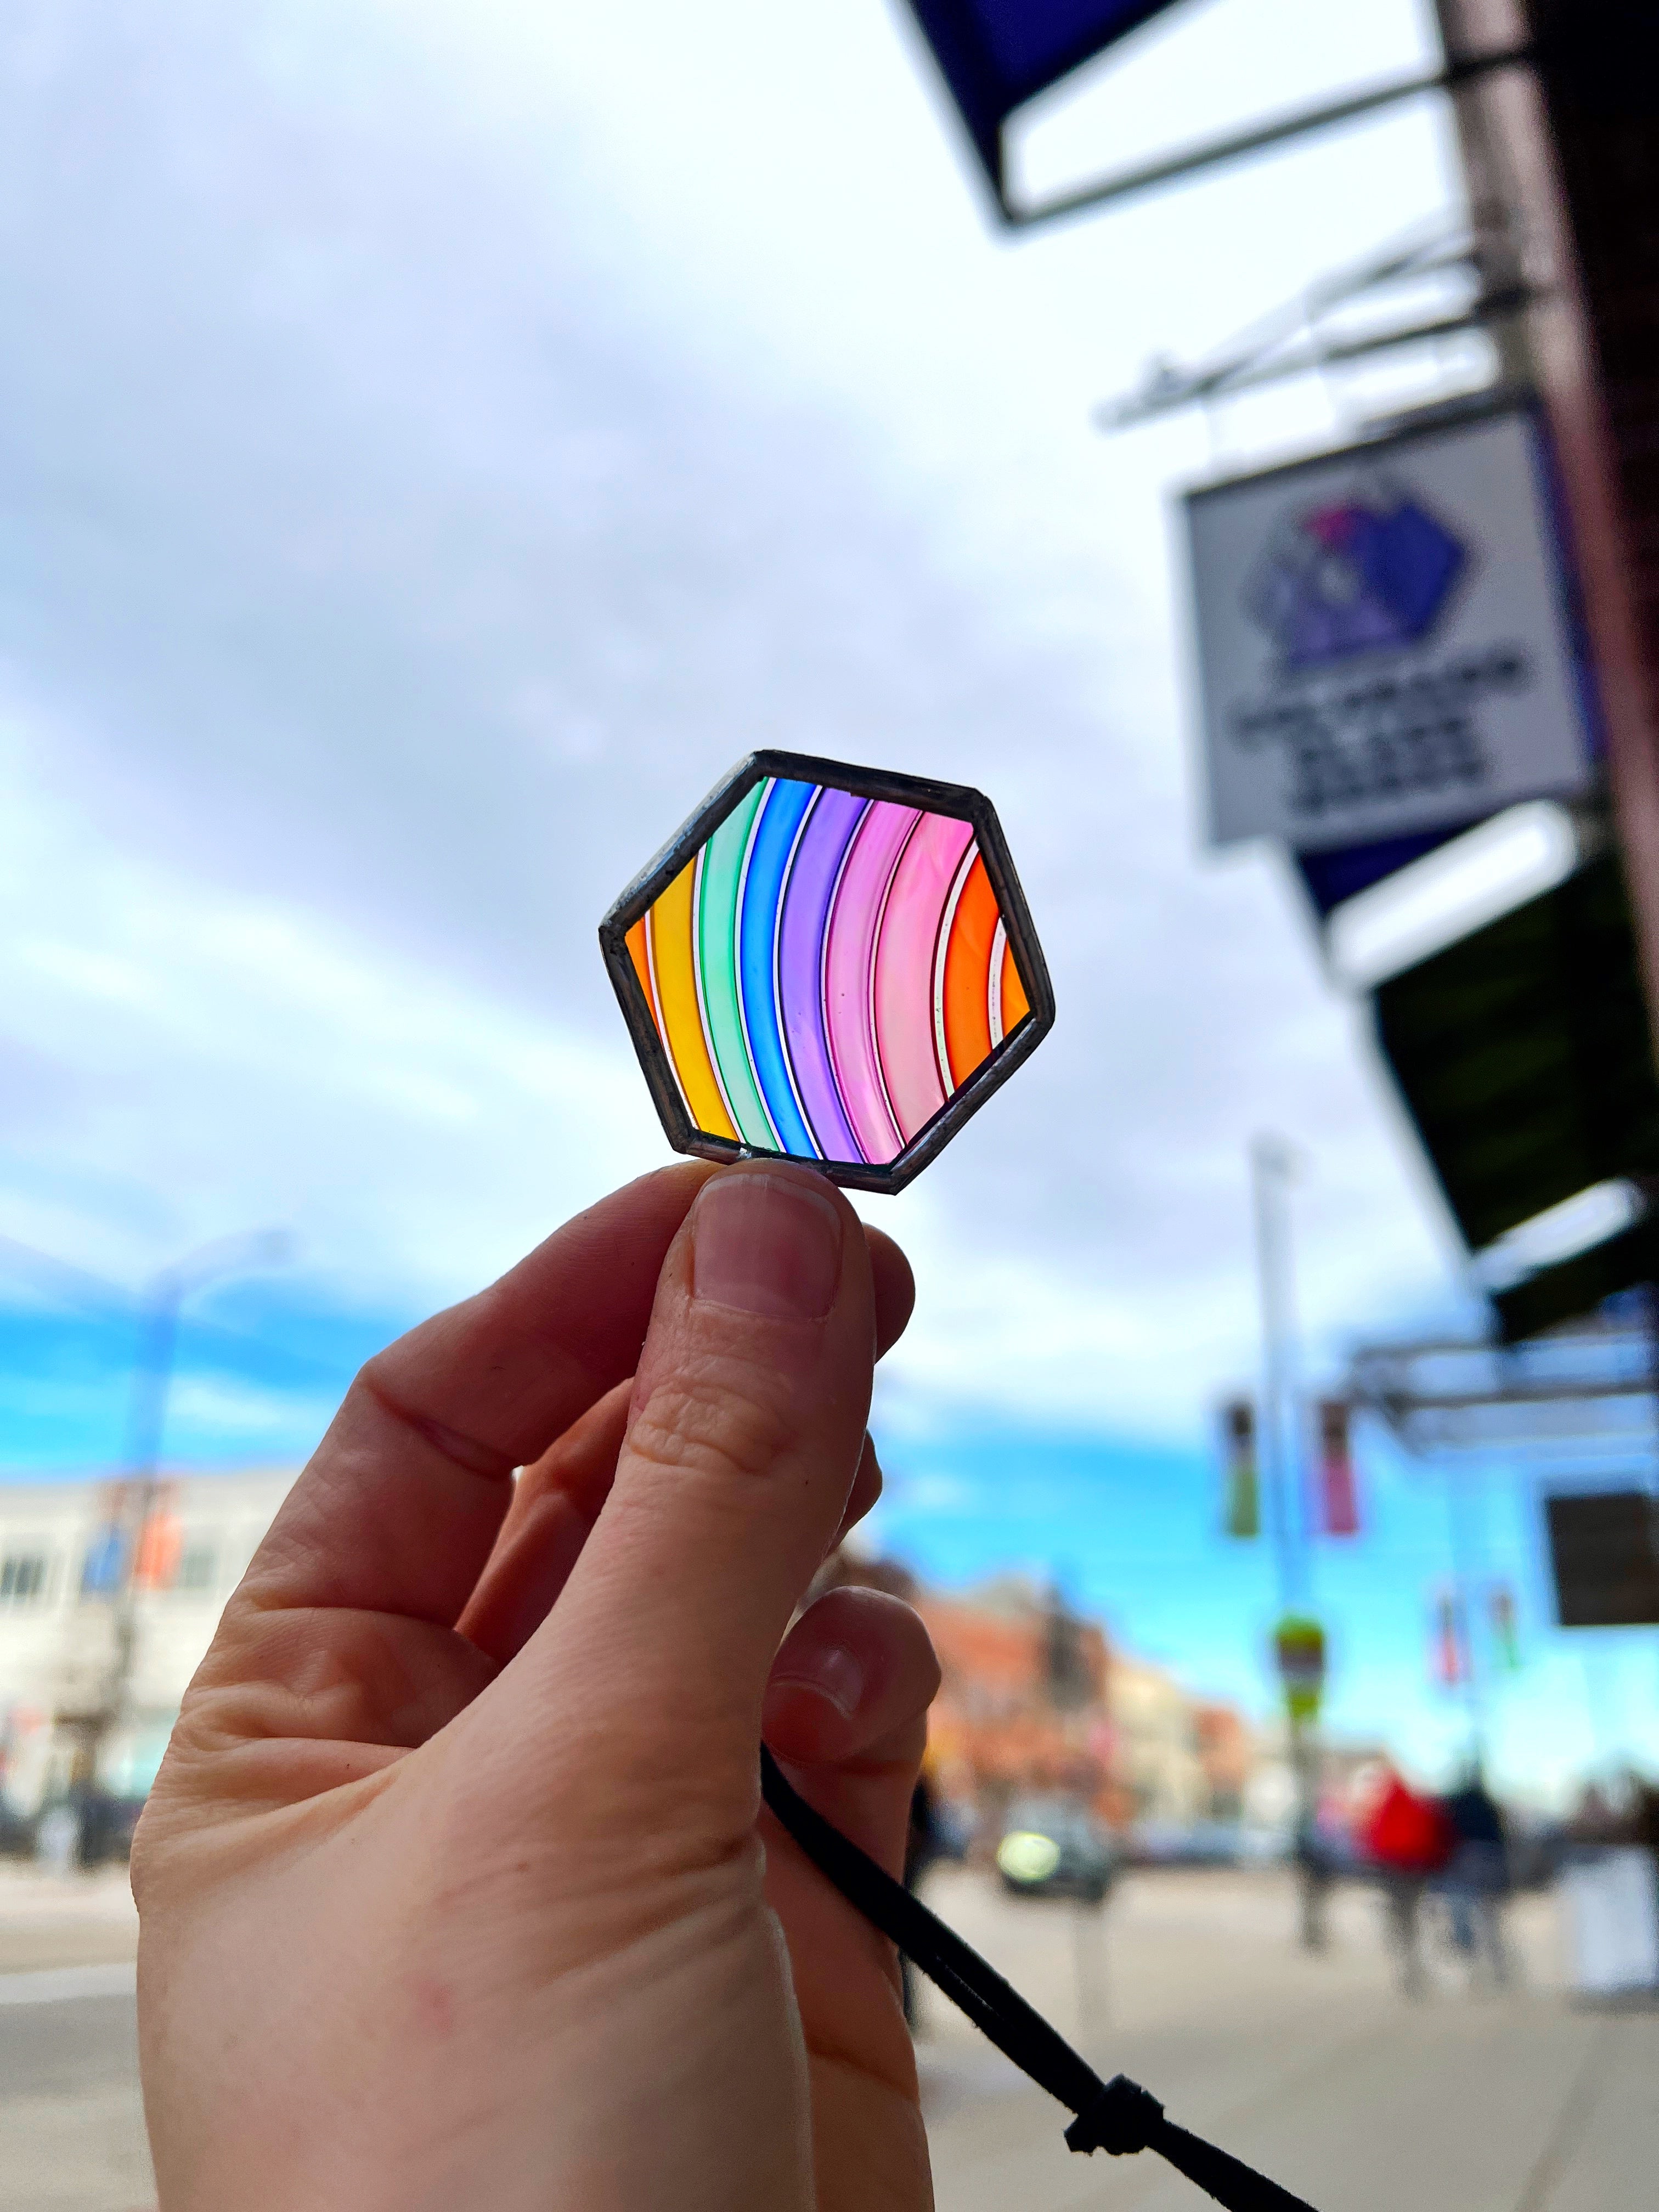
(1385, 638)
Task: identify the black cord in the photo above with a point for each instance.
(1118, 2116)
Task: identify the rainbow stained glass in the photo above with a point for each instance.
(831, 963)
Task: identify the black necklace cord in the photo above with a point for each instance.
(1118, 2117)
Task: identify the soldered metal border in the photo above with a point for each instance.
(957, 799)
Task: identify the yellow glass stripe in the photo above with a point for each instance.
(675, 968)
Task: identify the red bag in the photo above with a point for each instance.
(1407, 1834)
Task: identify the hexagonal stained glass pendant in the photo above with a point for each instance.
(833, 964)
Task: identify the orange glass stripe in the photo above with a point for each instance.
(1015, 1004)
(642, 960)
(968, 976)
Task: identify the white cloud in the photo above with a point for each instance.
(444, 438)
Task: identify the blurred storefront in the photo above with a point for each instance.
(1036, 1698)
(72, 1697)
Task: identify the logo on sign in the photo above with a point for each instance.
(1357, 575)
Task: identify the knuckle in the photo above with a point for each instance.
(704, 1425)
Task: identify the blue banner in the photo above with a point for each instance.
(995, 55)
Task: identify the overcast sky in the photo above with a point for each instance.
(436, 440)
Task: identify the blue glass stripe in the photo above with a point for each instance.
(773, 841)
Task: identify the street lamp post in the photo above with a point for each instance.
(1272, 1165)
(152, 1379)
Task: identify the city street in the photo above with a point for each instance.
(1312, 2067)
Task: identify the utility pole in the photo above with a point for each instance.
(1273, 1164)
(1460, 1513)
(140, 1489)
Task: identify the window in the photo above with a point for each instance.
(197, 1566)
(22, 1577)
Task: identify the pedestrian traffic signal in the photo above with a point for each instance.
(1299, 1649)
(1242, 1502)
(1339, 1494)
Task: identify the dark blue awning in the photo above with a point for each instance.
(997, 54)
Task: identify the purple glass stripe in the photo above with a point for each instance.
(849, 967)
(801, 931)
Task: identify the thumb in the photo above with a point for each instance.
(743, 1440)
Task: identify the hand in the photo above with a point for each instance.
(453, 1890)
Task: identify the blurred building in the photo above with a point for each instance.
(1157, 1760)
(72, 1579)
(1227, 1751)
(1035, 1697)
(1022, 1703)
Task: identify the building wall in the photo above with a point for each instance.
(1155, 1742)
(58, 1644)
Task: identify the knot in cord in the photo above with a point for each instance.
(1122, 2120)
(1117, 2115)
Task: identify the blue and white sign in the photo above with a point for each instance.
(1384, 635)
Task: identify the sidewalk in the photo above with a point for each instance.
(1312, 2069)
(65, 1920)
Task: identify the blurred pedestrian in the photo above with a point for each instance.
(924, 1843)
(1410, 1840)
(1477, 1875)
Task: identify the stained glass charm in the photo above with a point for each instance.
(831, 963)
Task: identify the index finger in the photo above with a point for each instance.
(402, 1500)
(400, 1504)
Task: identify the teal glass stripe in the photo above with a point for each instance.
(717, 946)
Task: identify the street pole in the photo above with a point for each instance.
(1272, 1166)
(1465, 1585)
(1270, 1175)
(147, 1410)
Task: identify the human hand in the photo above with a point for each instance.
(451, 1889)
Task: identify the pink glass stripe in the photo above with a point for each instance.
(848, 974)
(904, 968)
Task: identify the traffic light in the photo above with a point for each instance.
(1242, 1502)
(1506, 1644)
(1338, 1493)
(1448, 1657)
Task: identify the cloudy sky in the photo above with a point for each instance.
(435, 440)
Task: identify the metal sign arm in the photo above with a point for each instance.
(1211, 153)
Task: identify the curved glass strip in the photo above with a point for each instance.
(967, 990)
(776, 828)
(720, 877)
(1015, 1004)
(673, 965)
(827, 972)
(802, 930)
(903, 1000)
(965, 974)
(849, 975)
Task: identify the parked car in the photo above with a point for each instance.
(1054, 1847)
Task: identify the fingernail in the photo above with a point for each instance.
(766, 1246)
(833, 1671)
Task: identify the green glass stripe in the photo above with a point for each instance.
(717, 933)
